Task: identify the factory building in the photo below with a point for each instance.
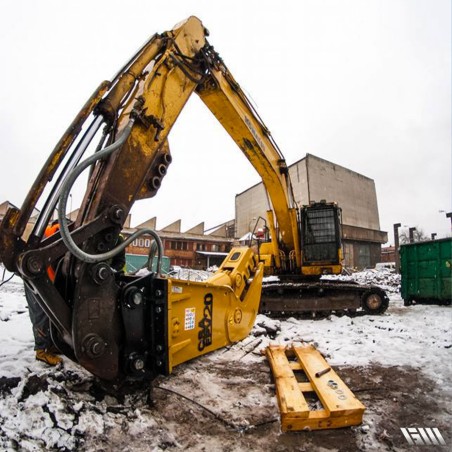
(195, 248)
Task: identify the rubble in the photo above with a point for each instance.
(387, 280)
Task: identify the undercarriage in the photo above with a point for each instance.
(294, 295)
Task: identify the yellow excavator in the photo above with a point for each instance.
(128, 327)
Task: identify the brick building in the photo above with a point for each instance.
(194, 248)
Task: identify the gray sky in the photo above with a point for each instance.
(363, 84)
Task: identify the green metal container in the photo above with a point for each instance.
(136, 261)
(426, 270)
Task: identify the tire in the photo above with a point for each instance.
(374, 302)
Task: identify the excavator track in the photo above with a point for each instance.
(287, 297)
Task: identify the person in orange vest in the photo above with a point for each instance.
(44, 347)
(45, 350)
(49, 231)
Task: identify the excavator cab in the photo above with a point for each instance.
(320, 243)
(320, 235)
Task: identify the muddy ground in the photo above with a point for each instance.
(213, 404)
(397, 364)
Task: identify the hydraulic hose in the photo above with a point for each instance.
(64, 228)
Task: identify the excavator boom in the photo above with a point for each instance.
(121, 326)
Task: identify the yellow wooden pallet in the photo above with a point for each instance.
(302, 374)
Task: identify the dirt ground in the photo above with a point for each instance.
(392, 397)
(225, 401)
(213, 404)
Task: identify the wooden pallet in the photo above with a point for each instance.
(310, 394)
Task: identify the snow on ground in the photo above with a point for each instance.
(63, 409)
(383, 278)
(419, 336)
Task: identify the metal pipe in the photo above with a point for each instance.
(55, 158)
(411, 234)
(51, 201)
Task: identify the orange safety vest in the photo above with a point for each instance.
(50, 230)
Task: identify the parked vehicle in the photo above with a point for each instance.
(386, 266)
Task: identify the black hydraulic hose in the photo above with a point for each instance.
(181, 65)
(157, 244)
(151, 255)
(6, 280)
(64, 228)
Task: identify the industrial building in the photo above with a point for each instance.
(195, 248)
(316, 179)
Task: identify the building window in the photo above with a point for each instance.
(363, 255)
(178, 245)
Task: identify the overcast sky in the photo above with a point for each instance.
(363, 84)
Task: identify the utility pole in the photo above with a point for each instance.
(396, 246)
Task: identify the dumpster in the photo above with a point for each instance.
(136, 261)
(426, 273)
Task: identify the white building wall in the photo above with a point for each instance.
(314, 179)
(249, 206)
(353, 192)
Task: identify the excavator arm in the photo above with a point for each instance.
(122, 326)
(226, 100)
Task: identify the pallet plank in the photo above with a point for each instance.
(290, 397)
(340, 407)
(334, 394)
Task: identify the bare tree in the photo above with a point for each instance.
(418, 236)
